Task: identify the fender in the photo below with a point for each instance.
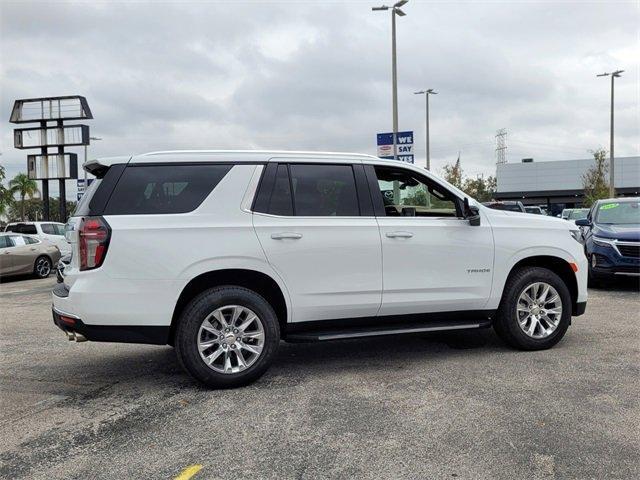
(503, 268)
(259, 265)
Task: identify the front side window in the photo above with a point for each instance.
(158, 189)
(5, 241)
(324, 190)
(404, 193)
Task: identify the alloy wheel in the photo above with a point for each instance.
(230, 339)
(539, 310)
(43, 267)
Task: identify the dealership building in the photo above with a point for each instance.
(558, 184)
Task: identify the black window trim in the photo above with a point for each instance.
(267, 184)
(378, 203)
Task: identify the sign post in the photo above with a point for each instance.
(404, 142)
(59, 165)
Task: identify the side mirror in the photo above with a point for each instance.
(583, 222)
(471, 213)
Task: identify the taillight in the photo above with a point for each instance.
(93, 240)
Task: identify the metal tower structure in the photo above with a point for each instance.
(501, 146)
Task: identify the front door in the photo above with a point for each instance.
(433, 259)
(321, 239)
(6, 259)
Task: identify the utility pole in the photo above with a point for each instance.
(426, 94)
(612, 187)
(395, 10)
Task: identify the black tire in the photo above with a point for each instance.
(42, 266)
(186, 339)
(506, 323)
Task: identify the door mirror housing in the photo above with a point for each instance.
(471, 213)
(583, 222)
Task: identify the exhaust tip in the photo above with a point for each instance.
(70, 336)
(80, 338)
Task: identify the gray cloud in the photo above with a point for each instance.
(305, 75)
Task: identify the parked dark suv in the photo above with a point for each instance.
(612, 238)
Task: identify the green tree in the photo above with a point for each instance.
(453, 174)
(6, 198)
(594, 180)
(24, 187)
(33, 210)
(480, 188)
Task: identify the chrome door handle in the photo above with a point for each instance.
(399, 234)
(281, 236)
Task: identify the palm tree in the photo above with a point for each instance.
(25, 187)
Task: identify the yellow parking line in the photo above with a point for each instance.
(188, 472)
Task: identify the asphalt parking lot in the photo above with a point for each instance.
(442, 406)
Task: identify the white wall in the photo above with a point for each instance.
(561, 175)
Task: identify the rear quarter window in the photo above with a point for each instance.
(163, 189)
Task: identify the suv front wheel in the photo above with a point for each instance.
(535, 310)
(227, 337)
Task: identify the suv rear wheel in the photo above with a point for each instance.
(227, 337)
(535, 310)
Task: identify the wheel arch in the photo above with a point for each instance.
(557, 265)
(259, 282)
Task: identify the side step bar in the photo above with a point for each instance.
(321, 336)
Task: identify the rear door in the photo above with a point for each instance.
(316, 225)
(433, 259)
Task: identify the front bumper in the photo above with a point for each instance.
(608, 261)
(579, 309)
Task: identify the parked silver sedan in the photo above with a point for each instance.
(22, 254)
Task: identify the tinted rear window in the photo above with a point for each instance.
(22, 228)
(157, 189)
(324, 190)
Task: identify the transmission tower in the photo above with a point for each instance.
(501, 146)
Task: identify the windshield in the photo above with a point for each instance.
(618, 213)
(578, 214)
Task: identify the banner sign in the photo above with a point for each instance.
(404, 145)
(82, 188)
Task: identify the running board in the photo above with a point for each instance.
(347, 333)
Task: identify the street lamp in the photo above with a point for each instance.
(85, 161)
(612, 188)
(395, 10)
(426, 94)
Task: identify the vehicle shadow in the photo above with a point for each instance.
(20, 278)
(150, 368)
(624, 284)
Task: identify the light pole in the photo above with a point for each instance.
(612, 187)
(426, 94)
(85, 161)
(395, 10)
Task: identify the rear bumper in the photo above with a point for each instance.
(111, 333)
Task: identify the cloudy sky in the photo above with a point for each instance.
(313, 75)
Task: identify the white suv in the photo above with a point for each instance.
(222, 254)
(52, 232)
